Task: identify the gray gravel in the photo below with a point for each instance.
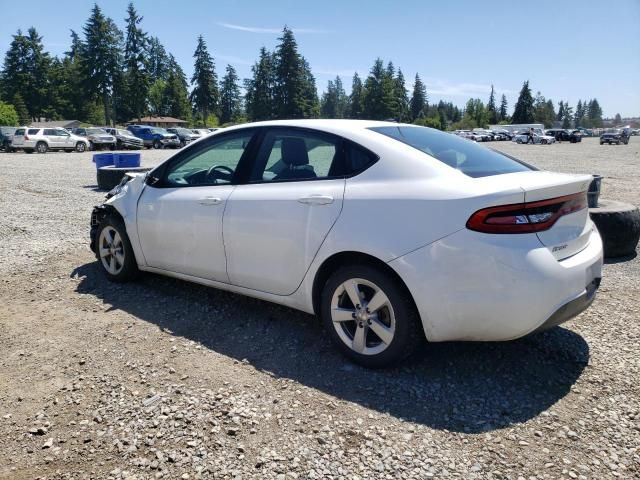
(164, 379)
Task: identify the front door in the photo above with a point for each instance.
(180, 217)
(275, 223)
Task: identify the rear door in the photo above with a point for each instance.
(275, 223)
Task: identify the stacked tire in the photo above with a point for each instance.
(619, 227)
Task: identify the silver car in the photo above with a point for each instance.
(42, 140)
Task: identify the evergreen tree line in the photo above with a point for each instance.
(110, 76)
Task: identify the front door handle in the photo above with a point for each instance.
(316, 200)
(208, 201)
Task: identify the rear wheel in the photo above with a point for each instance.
(42, 147)
(114, 251)
(369, 316)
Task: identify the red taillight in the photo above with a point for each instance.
(26, 137)
(526, 217)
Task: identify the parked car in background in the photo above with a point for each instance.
(538, 137)
(125, 140)
(42, 140)
(185, 135)
(98, 138)
(6, 136)
(564, 135)
(502, 135)
(211, 130)
(155, 137)
(616, 136)
(586, 132)
(500, 250)
(202, 132)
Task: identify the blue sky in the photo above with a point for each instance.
(568, 50)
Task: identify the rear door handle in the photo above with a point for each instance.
(208, 201)
(316, 200)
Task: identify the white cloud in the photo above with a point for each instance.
(445, 88)
(244, 28)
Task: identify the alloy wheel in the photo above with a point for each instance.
(111, 250)
(363, 316)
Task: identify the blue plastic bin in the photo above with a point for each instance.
(103, 159)
(126, 160)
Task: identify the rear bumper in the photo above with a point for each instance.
(573, 308)
(481, 287)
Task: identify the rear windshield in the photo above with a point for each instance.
(459, 153)
(96, 131)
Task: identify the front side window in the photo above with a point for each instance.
(214, 164)
(49, 132)
(61, 132)
(468, 157)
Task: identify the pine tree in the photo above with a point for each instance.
(355, 99)
(579, 115)
(342, 101)
(329, 102)
(567, 116)
(21, 109)
(291, 79)
(617, 120)
(594, 112)
(26, 72)
(230, 98)
(543, 111)
(560, 114)
(176, 92)
(377, 101)
(418, 102)
(205, 94)
(523, 112)
(159, 62)
(491, 108)
(311, 104)
(503, 114)
(158, 100)
(101, 60)
(401, 112)
(137, 78)
(260, 89)
(15, 73)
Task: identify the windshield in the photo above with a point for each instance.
(159, 130)
(456, 152)
(124, 133)
(96, 131)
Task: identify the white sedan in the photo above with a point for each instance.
(537, 138)
(390, 233)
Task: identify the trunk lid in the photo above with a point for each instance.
(570, 234)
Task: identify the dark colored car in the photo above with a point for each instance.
(185, 135)
(6, 135)
(155, 137)
(125, 139)
(617, 136)
(563, 135)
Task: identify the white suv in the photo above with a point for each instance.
(42, 140)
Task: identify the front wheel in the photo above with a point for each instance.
(369, 316)
(157, 145)
(114, 251)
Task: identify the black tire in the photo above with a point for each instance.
(109, 177)
(42, 147)
(619, 227)
(129, 267)
(81, 147)
(157, 145)
(68, 151)
(408, 328)
(28, 150)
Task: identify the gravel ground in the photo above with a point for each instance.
(165, 379)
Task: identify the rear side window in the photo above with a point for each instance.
(456, 152)
(33, 131)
